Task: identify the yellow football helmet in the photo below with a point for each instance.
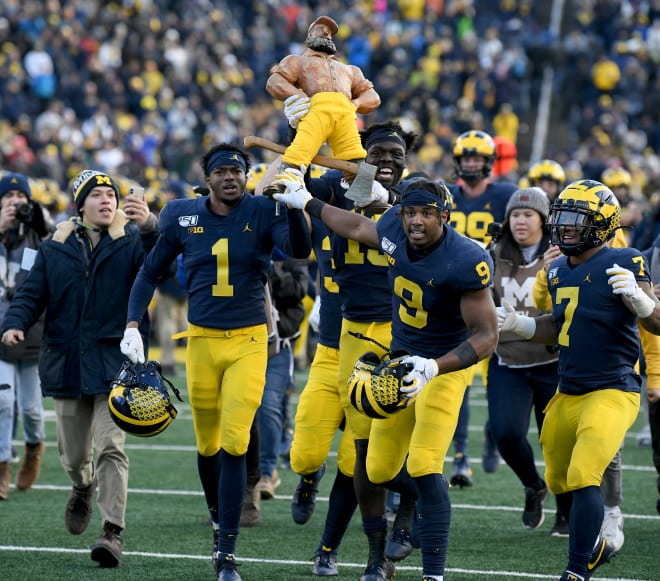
(374, 387)
(139, 402)
(254, 176)
(616, 177)
(316, 171)
(546, 169)
(591, 208)
(474, 143)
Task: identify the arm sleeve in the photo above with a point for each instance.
(158, 263)
(300, 239)
(540, 295)
(651, 349)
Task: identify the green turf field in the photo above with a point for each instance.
(167, 537)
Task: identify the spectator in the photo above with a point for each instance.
(80, 352)
(22, 228)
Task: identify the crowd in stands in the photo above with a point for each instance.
(141, 89)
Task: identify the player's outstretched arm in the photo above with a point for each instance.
(347, 224)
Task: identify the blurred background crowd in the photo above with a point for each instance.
(139, 89)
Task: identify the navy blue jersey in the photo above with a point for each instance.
(426, 313)
(330, 313)
(360, 271)
(472, 216)
(598, 335)
(225, 259)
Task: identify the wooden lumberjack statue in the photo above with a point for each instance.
(322, 97)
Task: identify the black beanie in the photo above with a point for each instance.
(86, 181)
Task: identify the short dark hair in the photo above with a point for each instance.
(203, 162)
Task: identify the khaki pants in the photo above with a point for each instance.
(81, 424)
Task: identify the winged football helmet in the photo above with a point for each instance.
(591, 208)
(546, 169)
(474, 143)
(255, 175)
(139, 401)
(374, 387)
(617, 177)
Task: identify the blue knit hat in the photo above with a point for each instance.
(14, 181)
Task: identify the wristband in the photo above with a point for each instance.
(314, 207)
(466, 354)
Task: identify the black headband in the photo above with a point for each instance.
(384, 134)
(225, 157)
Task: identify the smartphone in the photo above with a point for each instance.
(136, 191)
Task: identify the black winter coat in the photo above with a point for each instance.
(85, 304)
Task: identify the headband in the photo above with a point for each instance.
(384, 134)
(424, 199)
(225, 157)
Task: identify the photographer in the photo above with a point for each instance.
(22, 228)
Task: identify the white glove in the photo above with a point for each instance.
(623, 283)
(131, 345)
(509, 320)
(296, 195)
(423, 371)
(379, 194)
(315, 314)
(295, 108)
(290, 174)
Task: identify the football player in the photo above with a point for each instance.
(319, 415)
(226, 239)
(548, 175)
(598, 295)
(364, 309)
(633, 204)
(478, 204)
(443, 312)
(612, 483)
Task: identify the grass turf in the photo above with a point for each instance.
(167, 536)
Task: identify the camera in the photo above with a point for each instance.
(24, 212)
(495, 230)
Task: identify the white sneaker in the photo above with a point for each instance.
(612, 529)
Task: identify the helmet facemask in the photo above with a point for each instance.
(575, 218)
(474, 143)
(589, 209)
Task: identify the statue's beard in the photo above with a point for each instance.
(321, 44)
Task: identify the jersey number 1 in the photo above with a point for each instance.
(222, 288)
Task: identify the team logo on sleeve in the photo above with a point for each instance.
(190, 222)
(187, 221)
(388, 246)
